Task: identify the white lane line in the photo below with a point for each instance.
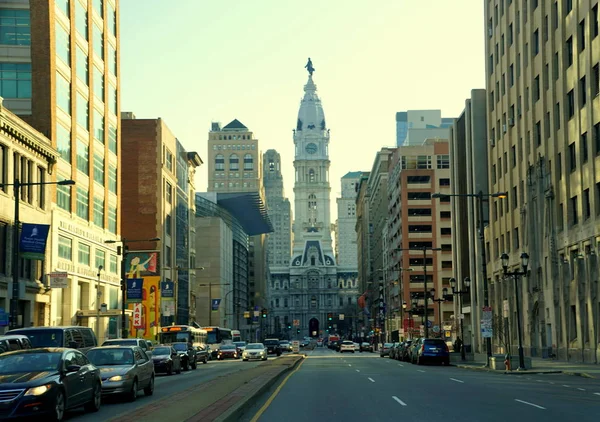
(420, 370)
(399, 401)
(539, 380)
(565, 385)
(349, 364)
(371, 379)
(598, 394)
(551, 382)
(530, 404)
(400, 365)
(454, 379)
(581, 389)
(358, 370)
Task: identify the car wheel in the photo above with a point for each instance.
(186, 366)
(194, 365)
(59, 406)
(245, 360)
(205, 360)
(94, 404)
(265, 358)
(419, 361)
(149, 390)
(170, 369)
(132, 395)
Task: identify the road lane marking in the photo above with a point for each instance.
(371, 379)
(400, 365)
(530, 404)
(581, 389)
(454, 379)
(399, 401)
(272, 397)
(565, 385)
(598, 394)
(420, 370)
(349, 364)
(358, 370)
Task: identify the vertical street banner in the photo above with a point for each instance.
(134, 290)
(150, 306)
(138, 321)
(32, 243)
(486, 322)
(214, 304)
(167, 290)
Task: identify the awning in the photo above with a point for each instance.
(249, 209)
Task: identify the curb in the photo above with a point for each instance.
(580, 374)
(526, 372)
(236, 412)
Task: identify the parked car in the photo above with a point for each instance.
(166, 359)
(366, 347)
(432, 350)
(187, 354)
(202, 354)
(412, 351)
(228, 351)
(356, 347)
(320, 342)
(337, 345)
(347, 346)
(124, 370)
(385, 349)
(255, 351)
(14, 342)
(139, 342)
(394, 351)
(404, 350)
(46, 382)
(285, 345)
(80, 338)
(272, 345)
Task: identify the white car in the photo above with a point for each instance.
(356, 347)
(255, 351)
(347, 346)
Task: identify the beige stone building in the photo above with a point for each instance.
(543, 67)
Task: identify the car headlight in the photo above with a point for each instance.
(38, 391)
(118, 378)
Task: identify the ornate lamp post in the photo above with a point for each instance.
(460, 293)
(516, 274)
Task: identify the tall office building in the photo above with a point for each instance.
(414, 126)
(64, 56)
(542, 80)
(345, 234)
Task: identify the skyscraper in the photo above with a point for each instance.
(414, 126)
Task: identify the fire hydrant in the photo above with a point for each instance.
(507, 362)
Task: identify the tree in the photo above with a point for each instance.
(501, 331)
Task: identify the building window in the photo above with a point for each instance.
(535, 48)
(63, 142)
(83, 254)
(112, 138)
(112, 219)
(112, 178)
(99, 212)
(63, 43)
(112, 59)
(444, 182)
(15, 80)
(572, 157)
(81, 19)
(587, 209)
(168, 160)
(569, 51)
(113, 264)
(83, 203)
(584, 147)
(99, 169)
(98, 125)
(63, 196)
(443, 161)
(169, 192)
(99, 7)
(83, 73)
(15, 28)
(219, 162)
(168, 255)
(63, 93)
(597, 139)
(98, 84)
(234, 162)
(98, 41)
(65, 247)
(83, 157)
(594, 24)
(100, 258)
(112, 99)
(574, 215)
(582, 92)
(83, 112)
(168, 223)
(248, 162)
(311, 176)
(111, 19)
(568, 6)
(571, 104)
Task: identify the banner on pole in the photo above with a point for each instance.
(32, 244)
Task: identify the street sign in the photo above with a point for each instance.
(429, 324)
(341, 317)
(3, 318)
(296, 323)
(214, 304)
(256, 313)
(137, 316)
(59, 280)
(505, 308)
(436, 329)
(295, 346)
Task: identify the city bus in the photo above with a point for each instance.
(216, 336)
(183, 333)
(236, 335)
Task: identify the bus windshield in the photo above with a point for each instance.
(174, 337)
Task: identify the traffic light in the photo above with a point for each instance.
(329, 316)
(264, 313)
(298, 330)
(289, 326)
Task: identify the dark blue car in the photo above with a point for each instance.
(432, 350)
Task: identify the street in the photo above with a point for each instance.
(363, 386)
(165, 386)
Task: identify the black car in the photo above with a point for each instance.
(47, 381)
(166, 359)
(272, 345)
(187, 354)
(201, 354)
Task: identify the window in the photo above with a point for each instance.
(169, 192)
(15, 28)
(571, 104)
(112, 219)
(83, 157)
(167, 256)
(311, 176)
(63, 93)
(81, 20)
(98, 41)
(63, 195)
(112, 99)
(63, 142)
(536, 88)
(112, 178)
(581, 31)
(574, 215)
(559, 165)
(443, 161)
(63, 43)
(584, 147)
(98, 125)
(83, 254)
(234, 162)
(99, 168)
(98, 84)
(587, 209)
(83, 203)
(112, 59)
(248, 162)
(83, 71)
(15, 80)
(418, 196)
(511, 76)
(597, 138)
(596, 80)
(444, 182)
(98, 6)
(446, 231)
(582, 92)
(100, 258)
(169, 159)
(419, 212)
(445, 214)
(568, 6)
(112, 138)
(113, 264)
(219, 163)
(417, 179)
(111, 19)
(594, 24)
(535, 47)
(419, 228)
(572, 157)
(569, 51)
(168, 224)
(557, 116)
(65, 247)
(538, 134)
(99, 212)
(83, 111)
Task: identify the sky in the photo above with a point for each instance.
(193, 62)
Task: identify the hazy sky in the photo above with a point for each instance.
(192, 62)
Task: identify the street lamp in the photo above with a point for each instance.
(481, 234)
(123, 252)
(14, 301)
(460, 293)
(209, 285)
(439, 301)
(516, 274)
(98, 294)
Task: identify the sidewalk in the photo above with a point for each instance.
(541, 366)
(216, 399)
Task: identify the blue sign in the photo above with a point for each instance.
(167, 289)
(134, 290)
(32, 244)
(429, 324)
(214, 304)
(3, 318)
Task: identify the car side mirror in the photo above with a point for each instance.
(73, 368)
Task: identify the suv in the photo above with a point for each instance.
(14, 342)
(75, 337)
(140, 342)
(272, 345)
(189, 357)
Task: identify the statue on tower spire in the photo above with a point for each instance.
(309, 67)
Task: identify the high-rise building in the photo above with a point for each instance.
(542, 80)
(345, 234)
(59, 65)
(414, 126)
(158, 202)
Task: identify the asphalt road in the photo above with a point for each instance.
(363, 386)
(164, 386)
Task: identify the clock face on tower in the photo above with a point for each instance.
(311, 148)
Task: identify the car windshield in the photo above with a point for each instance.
(255, 346)
(240, 343)
(348, 343)
(160, 351)
(388, 345)
(271, 342)
(228, 347)
(42, 338)
(38, 361)
(111, 357)
(120, 343)
(180, 347)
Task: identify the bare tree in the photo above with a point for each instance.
(501, 331)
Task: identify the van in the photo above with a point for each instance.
(80, 338)
(14, 342)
